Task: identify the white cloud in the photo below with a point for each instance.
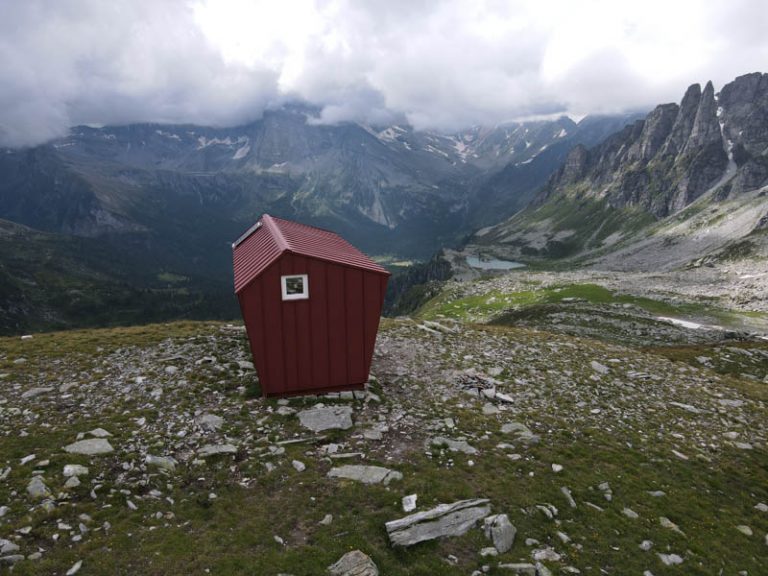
(440, 64)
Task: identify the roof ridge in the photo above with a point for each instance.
(280, 239)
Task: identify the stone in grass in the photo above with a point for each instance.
(72, 482)
(524, 569)
(500, 531)
(90, 447)
(4, 510)
(326, 418)
(444, 520)
(6, 546)
(409, 502)
(354, 563)
(215, 449)
(75, 568)
(34, 392)
(453, 445)
(37, 489)
(629, 513)
(162, 462)
(746, 530)
(670, 559)
(365, 474)
(71, 470)
(298, 465)
(99, 433)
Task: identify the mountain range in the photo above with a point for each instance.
(119, 224)
(687, 184)
(145, 214)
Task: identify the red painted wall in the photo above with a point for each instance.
(323, 343)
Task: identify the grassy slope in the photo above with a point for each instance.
(49, 281)
(707, 495)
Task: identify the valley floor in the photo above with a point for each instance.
(662, 450)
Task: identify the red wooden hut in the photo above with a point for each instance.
(311, 303)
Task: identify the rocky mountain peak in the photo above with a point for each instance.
(684, 121)
(656, 129)
(706, 128)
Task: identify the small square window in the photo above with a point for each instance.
(295, 287)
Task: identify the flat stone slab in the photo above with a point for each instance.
(214, 449)
(327, 418)
(453, 445)
(444, 520)
(90, 447)
(365, 474)
(354, 563)
(34, 392)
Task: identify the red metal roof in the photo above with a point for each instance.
(269, 238)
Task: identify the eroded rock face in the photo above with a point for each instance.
(354, 563)
(444, 520)
(326, 418)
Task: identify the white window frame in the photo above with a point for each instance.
(304, 295)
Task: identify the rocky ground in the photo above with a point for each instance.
(146, 451)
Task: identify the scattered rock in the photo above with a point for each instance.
(568, 496)
(521, 431)
(365, 474)
(667, 523)
(215, 449)
(99, 433)
(746, 530)
(670, 559)
(500, 531)
(4, 510)
(490, 409)
(6, 546)
(629, 513)
(75, 568)
(327, 519)
(35, 392)
(444, 520)
(161, 462)
(453, 445)
(298, 466)
(71, 470)
(72, 482)
(599, 368)
(354, 563)
(557, 468)
(326, 418)
(210, 422)
(90, 447)
(646, 545)
(409, 503)
(37, 489)
(520, 568)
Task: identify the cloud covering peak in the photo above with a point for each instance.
(443, 64)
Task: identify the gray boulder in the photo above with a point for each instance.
(90, 447)
(354, 563)
(326, 418)
(365, 474)
(37, 489)
(500, 531)
(215, 449)
(454, 445)
(444, 520)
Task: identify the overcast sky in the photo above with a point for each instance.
(439, 64)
